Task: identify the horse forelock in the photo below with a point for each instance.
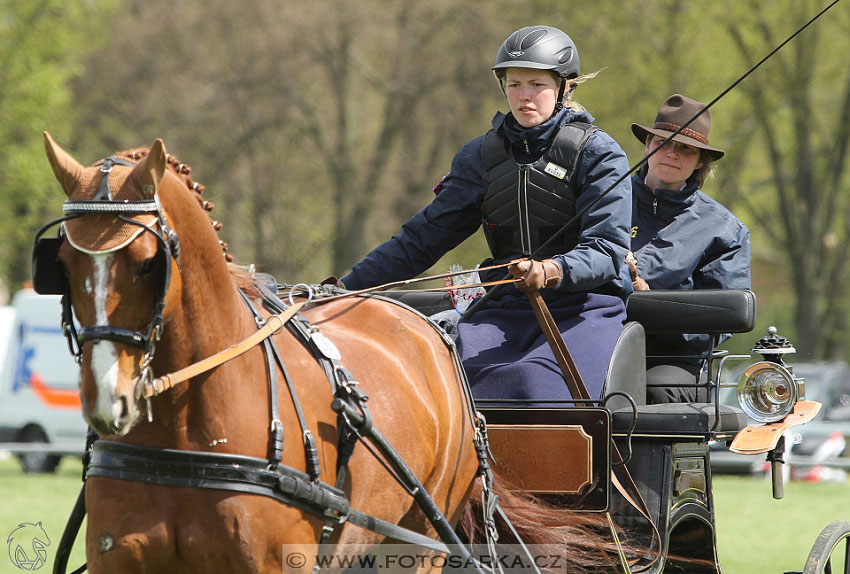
(183, 172)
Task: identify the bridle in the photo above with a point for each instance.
(223, 471)
(49, 277)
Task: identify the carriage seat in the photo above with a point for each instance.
(711, 311)
(678, 311)
(627, 368)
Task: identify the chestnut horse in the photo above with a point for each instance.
(416, 395)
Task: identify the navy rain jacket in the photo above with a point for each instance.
(596, 264)
(683, 239)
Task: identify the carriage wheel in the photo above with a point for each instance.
(831, 552)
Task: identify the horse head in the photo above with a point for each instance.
(117, 253)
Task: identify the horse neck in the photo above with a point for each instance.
(220, 403)
(210, 310)
(209, 317)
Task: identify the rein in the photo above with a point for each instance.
(272, 326)
(444, 276)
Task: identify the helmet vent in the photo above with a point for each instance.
(566, 56)
(531, 39)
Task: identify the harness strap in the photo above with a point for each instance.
(239, 473)
(414, 486)
(311, 452)
(272, 326)
(275, 426)
(343, 387)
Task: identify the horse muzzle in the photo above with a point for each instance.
(117, 419)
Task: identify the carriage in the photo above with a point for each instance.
(665, 446)
(240, 419)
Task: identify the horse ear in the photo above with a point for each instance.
(67, 170)
(151, 169)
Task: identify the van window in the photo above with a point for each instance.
(43, 353)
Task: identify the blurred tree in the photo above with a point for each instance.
(312, 123)
(798, 190)
(41, 45)
(318, 131)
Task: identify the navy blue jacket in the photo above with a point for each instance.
(683, 239)
(595, 265)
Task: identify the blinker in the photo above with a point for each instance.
(48, 275)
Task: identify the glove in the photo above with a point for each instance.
(638, 282)
(536, 275)
(333, 281)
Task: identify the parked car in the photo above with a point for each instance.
(823, 442)
(40, 418)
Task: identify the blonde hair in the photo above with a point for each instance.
(573, 83)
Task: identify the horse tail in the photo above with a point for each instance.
(583, 540)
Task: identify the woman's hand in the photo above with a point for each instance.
(637, 281)
(536, 275)
(333, 281)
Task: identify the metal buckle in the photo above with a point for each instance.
(306, 289)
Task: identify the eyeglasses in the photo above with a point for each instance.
(678, 147)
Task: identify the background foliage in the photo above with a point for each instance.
(317, 131)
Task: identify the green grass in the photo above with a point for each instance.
(33, 498)
(756, 534)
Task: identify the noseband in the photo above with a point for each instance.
(49, 277)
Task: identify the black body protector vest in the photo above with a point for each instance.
(526, 204)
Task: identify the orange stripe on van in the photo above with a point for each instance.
(54, 398)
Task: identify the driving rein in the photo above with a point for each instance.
(232, 472)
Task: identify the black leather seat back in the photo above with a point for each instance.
(710, 311)
(627, 369)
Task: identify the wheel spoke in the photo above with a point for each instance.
(847, 556)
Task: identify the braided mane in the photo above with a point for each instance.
(243, 279)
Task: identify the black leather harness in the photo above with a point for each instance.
(239, 473)
(266, 476)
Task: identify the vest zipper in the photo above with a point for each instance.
(522, 206)
(525, 229)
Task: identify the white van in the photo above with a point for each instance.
(39, 384)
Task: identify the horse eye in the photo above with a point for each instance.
(145, 267)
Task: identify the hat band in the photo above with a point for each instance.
(686, 132)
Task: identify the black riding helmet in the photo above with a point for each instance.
(540, 48)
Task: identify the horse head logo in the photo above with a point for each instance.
(28, 546)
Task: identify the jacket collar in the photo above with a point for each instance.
(536, 138)
(664, 200)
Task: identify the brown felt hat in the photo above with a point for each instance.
(676, 111)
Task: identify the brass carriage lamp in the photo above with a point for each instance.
(768, 389)
(775, 399)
